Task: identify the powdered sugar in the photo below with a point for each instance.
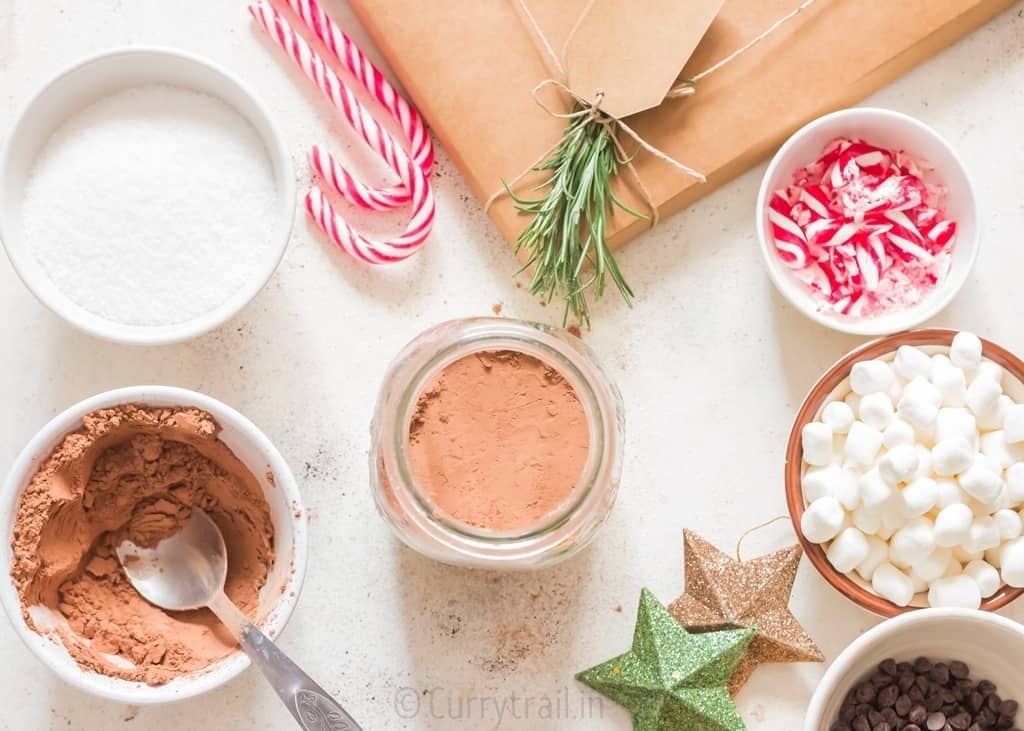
(152, 206)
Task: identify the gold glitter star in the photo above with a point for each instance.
(722, 593)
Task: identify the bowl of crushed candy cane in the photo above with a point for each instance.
(868, 221)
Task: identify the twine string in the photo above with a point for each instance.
(592, 108)
(750, 531)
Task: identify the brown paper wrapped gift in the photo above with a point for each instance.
(471, 66)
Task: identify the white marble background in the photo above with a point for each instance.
(712, 364)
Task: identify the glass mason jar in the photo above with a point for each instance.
(406, 507)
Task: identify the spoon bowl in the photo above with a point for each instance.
(184, 571)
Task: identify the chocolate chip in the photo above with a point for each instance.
(1009, 708)
(888, 667)
(936, 721)
(960, 721)
(865, 693)
(922, 665)
(959, 670)
(888, 695)
(860, 723)
(918, 714)
(940, 673)
(904, 704)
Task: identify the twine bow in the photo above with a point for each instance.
(592, 108)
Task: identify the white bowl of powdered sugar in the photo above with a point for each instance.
(145, 196)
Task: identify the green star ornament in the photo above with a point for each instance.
(672, 680)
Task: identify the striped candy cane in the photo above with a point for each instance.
(409, 172)
(361, 68)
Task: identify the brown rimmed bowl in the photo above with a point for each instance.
(812, 405)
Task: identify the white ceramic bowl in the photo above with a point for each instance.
(887, 129)
(256, 451)
(990, 644)
(87, 82)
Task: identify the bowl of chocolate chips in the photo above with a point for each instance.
(933, 670)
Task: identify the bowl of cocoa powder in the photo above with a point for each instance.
(131, 464)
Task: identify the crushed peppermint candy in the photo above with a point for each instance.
(864, 228)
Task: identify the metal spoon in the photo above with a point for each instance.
(187, 571)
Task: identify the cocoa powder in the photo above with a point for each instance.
(499, 440)
(134, 472)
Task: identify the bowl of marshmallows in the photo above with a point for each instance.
(905, 473)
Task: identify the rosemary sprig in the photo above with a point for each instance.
(565, 242)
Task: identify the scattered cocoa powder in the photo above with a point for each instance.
(498, 440)
(134, 472)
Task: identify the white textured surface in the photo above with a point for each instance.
(708, 338)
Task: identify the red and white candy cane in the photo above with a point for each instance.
(409, 172)
(375, 83)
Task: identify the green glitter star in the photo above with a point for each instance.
(672, 680)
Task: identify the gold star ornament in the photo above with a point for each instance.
(723, 593)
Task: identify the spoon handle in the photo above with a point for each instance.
(312, 706)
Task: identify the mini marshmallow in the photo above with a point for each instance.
(1012, 568)
(892, 584)
(838, 416)
(934, 566)
(965, 352)
(898, 464)
(1013, 423)
(871, 376)
(822, 520)
(994, 556)
(952, 456)
(985, 576)
(950, 382)
(853, 401)
(867, 520)
(876, 410)
(983, 395)
(878, 553)
(817, 482)
(994, 444)
(912, 543)
(848, 550)
(924, 463)
(956, 591)
(994, 418)
(845, 489)
(911, 363)
(892, 519)
(874, 491)
(1015, 483)
(919, 497)
(984, 534)
(817, 443)
(898, 432)
(862, 444)
(981, 483)
(1010, 525)
(953, 423)
(947, 492)
(834, 481)
(919, 404)
(953, 525)
(989, 369)
(1002, 501)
